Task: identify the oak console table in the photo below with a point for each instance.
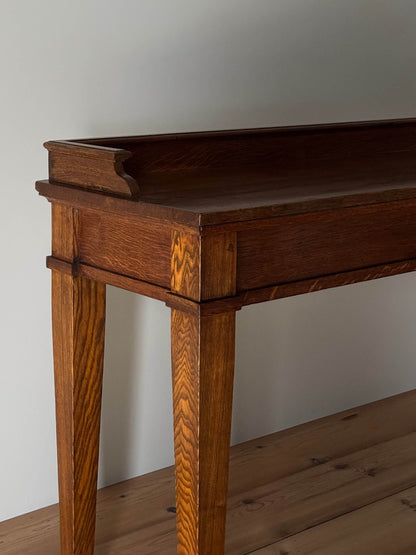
(207, 223)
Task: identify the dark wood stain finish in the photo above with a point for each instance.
(209, 223)
(312, 245)
(137, 249)
(99, 168)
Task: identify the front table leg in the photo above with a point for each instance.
(78, 311)
(203, 369)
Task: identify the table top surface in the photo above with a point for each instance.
(271, 191)
(229, 176)
(282, 211)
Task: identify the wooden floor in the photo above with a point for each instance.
(345, 484)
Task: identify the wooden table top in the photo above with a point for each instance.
(229, 176)
(284, 210)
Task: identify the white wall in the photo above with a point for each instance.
(97, 67)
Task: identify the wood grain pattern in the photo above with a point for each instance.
(133, 248)
(203, 370)
(238, 301)
(318, 494)
(218, 266)
(186, 265)
(386, 528)
(224, 219)
(211, 211)
(78, 333)
(209, 179)
(78, 314)
(314, 245)
(323, 282)
(268, 459)
(93, 167)
(207, 308)
(96, 200)
(137, 516)
(247, 148)
(65, 229)
(203, 268)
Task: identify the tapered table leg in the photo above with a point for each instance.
(78, 309)
(203, 368)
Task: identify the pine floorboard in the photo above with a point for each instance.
(343, 484)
